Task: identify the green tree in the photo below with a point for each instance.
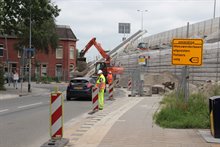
(16, 16)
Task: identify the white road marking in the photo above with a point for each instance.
(30, 105)
(3, 110)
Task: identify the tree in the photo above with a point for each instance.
(17, 16)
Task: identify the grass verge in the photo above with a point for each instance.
(176, 113)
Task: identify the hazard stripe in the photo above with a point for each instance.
(56, 104)
(95, 99)
(58, 133)
(54, 96)
(57, 126)
(56, 115)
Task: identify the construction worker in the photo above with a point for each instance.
(110, 81)
(100, 83)
(110, 78)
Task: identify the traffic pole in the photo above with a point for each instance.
(56, 120)
(56, 115)
(95, 104)
(110, 97)
(129, 84)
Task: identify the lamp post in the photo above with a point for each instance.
(6, 47)
(142, 13)
(29, 79)
(214, 9)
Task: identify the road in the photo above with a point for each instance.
(24, 121)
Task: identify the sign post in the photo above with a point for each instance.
(187, 52)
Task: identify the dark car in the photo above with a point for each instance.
(80, 87)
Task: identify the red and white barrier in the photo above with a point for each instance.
(95, 103)
(110, 91)
(56, 119)
(116, 82)
(129, 84)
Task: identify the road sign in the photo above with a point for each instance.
(141, 60)
(187, 52)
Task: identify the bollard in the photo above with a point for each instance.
(129, 84)
(117, 83)
(56, 120)
(95, 103)
(56, 114)
(110, 97)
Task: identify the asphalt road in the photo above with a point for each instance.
(24, 121)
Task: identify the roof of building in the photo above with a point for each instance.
(65, 33)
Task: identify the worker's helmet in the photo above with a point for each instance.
(99, 72)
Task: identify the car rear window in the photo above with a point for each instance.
(78, 81)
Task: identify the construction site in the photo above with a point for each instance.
(157, 71)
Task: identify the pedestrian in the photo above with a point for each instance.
(15, 79)
(100, 83)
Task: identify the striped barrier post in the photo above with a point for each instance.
(117, 83)
(129, 84)
(95, 103)
(56, 115)
(110, 97)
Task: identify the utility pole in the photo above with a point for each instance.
(214, 9)
(29, 80)
(142, 18)
(6, 47)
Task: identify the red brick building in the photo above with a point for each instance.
(56, 64)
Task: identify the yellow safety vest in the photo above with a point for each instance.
(101, 82)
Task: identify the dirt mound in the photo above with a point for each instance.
(159, 79)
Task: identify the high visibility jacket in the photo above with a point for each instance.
(100, 83)
(110, 78)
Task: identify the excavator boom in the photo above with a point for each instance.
(98, 47)
(105, 66)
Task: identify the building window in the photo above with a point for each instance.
(44, 70)
(59, 52)
(1, 50)
(71, 70)
(71, 52)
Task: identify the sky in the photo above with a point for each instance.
(100, 18)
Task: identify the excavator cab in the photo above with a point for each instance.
(101, 66)
(142, 46)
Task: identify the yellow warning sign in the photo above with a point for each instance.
(187, 52)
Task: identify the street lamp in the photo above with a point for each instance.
(29, 79)
(6, 47)
(214, 9)
(142, 13)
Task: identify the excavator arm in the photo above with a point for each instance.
(98, 47)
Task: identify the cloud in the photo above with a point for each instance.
(100, 18)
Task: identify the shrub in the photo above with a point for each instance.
(176, 113)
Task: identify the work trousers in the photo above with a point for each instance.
(101, 98)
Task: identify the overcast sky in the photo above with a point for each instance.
(100, 18)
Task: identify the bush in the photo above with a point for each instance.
(176, 113)
(46, 80)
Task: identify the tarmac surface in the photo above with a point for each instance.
(127, 122)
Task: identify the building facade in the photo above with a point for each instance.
(57, 63)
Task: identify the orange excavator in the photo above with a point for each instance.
(105, 66)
